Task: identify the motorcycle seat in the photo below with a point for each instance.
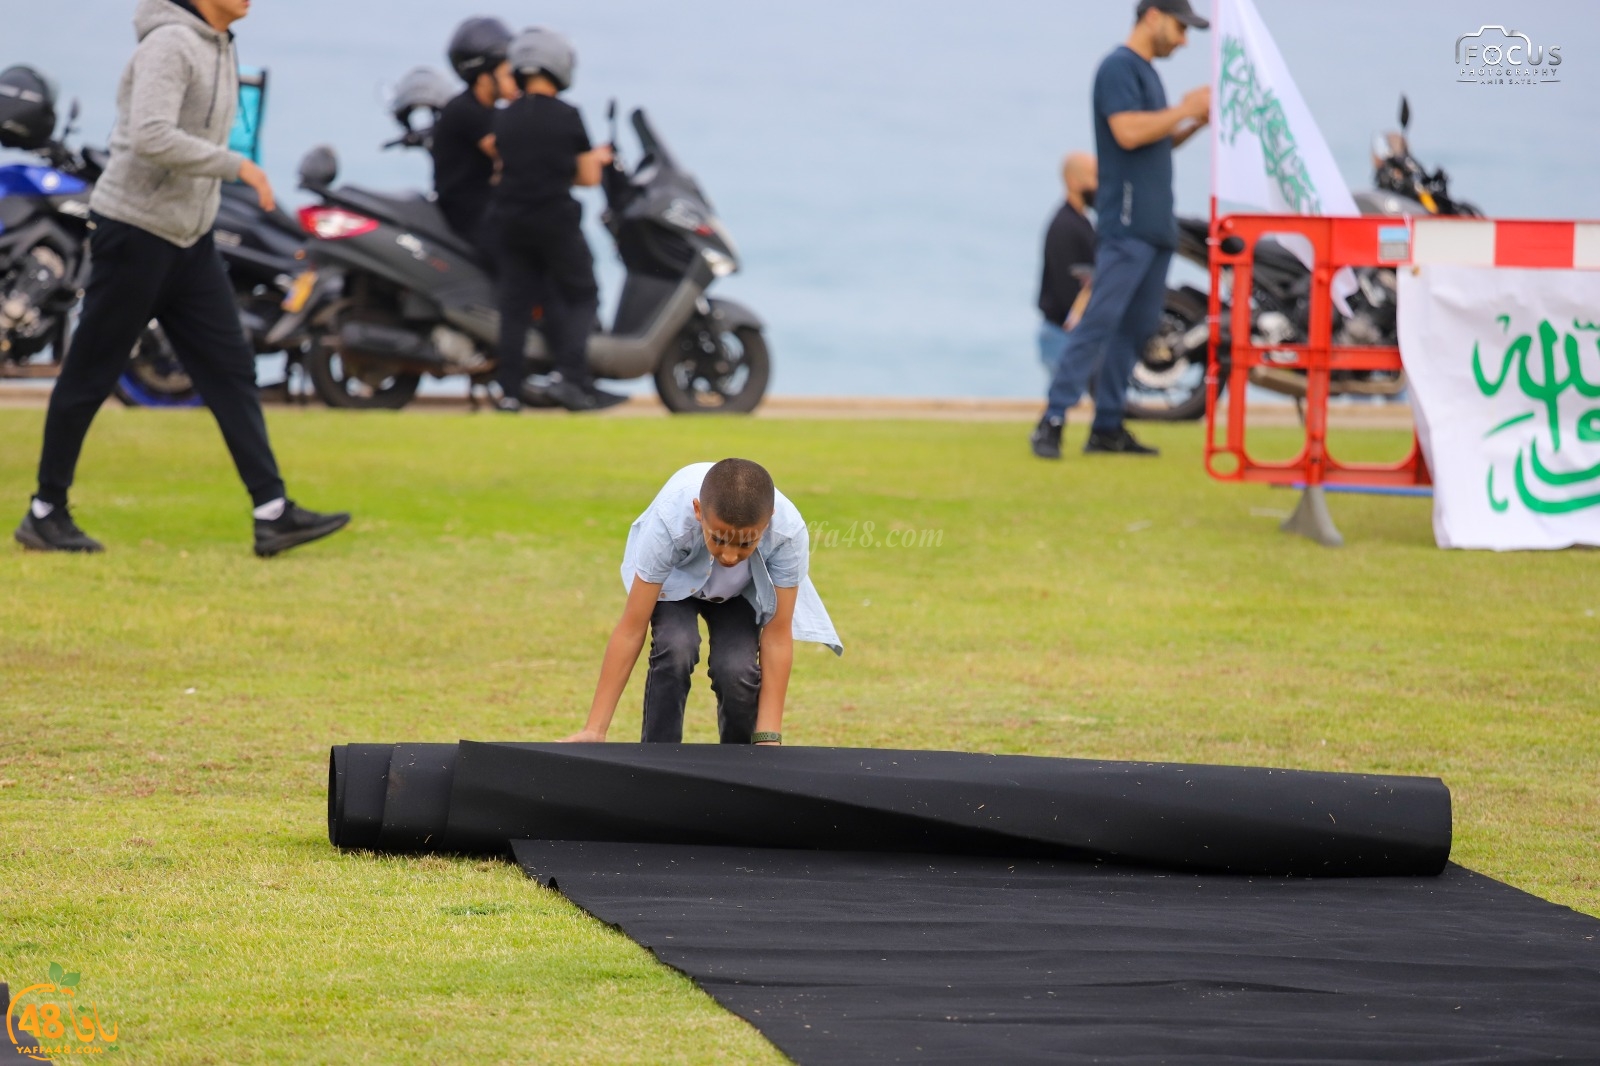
(410, 211)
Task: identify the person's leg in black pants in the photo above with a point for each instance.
(520, 285)
(199, 316)
(674, 651)
(735, 666)
(570, 265)
(126, 283)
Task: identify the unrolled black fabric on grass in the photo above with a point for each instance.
(477, 797)
(849, 957)
(894, 906)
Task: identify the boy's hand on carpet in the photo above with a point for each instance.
(584, 736)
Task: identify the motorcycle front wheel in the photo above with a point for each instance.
(1169, 381)
(709, 370)
(155, 377)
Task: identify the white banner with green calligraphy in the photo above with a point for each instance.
(1504, 367)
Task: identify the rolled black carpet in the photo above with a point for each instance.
(886, 906)
(477, 798)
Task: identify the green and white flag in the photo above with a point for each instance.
(1504, 367)
(1266, 150)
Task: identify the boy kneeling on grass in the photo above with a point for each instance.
(719, 542)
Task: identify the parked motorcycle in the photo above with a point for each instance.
(397, 295)
(44, 228)
(44, 260)
(1168, 384)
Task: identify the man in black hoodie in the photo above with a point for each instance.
(153, 258)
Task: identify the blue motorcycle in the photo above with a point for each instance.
(44, 248)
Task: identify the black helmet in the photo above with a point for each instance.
(27, 108)
(478, 46)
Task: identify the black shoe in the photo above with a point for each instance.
(508, 405)
(576, 397)
(1116, 441)
(296, 526)
(603, 399)
(1047, 437)
(55, 532)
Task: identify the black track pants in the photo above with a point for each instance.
(542, 254)
(135, 277)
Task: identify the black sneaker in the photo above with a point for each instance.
(1046, 437)
(508, 405)
(55, 532)
(576, 397)
(1116, 442)
(296, 526)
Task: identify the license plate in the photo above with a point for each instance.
(300, 292)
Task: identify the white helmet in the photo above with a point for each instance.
(538, 50)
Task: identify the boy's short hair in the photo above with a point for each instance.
(738, 492)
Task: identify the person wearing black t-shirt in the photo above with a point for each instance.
(463, 137)
(545, 151)
(1068, 260)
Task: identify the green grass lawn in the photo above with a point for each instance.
(167, 707)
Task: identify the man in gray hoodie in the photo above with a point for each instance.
(153, 258)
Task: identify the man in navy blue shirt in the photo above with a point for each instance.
(1135, 133)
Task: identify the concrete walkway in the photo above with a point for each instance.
(1345, 416)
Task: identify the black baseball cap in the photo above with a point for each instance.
(1178, 9)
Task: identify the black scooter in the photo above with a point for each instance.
(397, 295)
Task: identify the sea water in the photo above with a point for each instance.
(887, 167)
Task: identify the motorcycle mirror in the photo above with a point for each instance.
(319, 168)
(1405, 112)
(74, 111)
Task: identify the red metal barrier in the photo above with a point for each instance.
(1336, 243)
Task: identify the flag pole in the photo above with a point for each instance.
(1216, 26)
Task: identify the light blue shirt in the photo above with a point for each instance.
(667, 547)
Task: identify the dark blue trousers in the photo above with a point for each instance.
(1130, 284)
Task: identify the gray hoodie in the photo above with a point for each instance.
(175, 109)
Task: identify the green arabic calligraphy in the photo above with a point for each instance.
(1247, 106)
(1543, 378)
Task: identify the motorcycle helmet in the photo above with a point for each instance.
(478, 46)
(421, 89)
(537, 50)
(27, 108)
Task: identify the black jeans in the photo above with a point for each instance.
(734, 665)
(136, 276)
(542, 254)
